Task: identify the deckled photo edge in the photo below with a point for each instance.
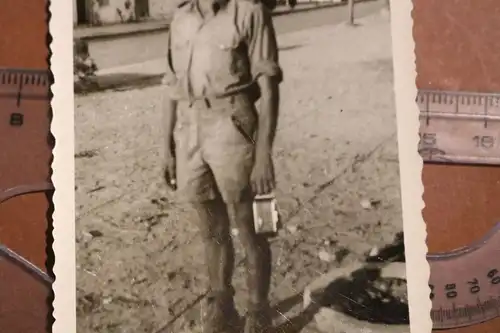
(417, 268)
(61, 30)
(62, 128)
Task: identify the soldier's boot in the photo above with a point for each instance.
(220, 314)
(259, 317)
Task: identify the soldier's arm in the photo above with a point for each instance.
(268, 115)
(169, 104)
(263, 55)
(169, 121)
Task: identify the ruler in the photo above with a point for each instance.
(24, 148)
(459, 127)
(24, 84)
(24, 129)
(24, 264)
(462, 128)
(465, 284)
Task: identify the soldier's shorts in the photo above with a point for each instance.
(214, 159)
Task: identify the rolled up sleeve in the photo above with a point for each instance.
(262, 44)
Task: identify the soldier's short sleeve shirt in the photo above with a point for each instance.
(223, 55)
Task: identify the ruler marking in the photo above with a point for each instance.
(465, 314)
(462, 273)
(485, 111)
(455, 313)
(482, 308)
(19, 92)
(470, 110)
(23, 79)
(469, 313)
(452, 116)
(427, 119)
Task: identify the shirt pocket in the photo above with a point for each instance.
(227, 59)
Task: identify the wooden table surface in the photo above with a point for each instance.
(23, 219)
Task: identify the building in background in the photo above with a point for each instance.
(162, 9)
(101, 12)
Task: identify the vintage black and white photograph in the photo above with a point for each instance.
(236, 167)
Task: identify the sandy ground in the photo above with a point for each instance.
(139, 260)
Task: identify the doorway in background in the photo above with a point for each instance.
(82, 12)
(141, 9)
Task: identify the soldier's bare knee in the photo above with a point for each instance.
(218, 233)
(212, 222)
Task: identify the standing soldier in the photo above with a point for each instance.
(222, 59)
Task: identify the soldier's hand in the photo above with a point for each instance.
(262, 178)
(169, 172)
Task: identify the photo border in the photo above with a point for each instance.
(62, 128)
(61, 30)
(410, 166)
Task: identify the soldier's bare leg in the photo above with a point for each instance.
(258, 266)
(230, 156)
(197, 188)
(213, 222)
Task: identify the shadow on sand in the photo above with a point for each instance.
(364, 296)
(127, 81)
(117, 82)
